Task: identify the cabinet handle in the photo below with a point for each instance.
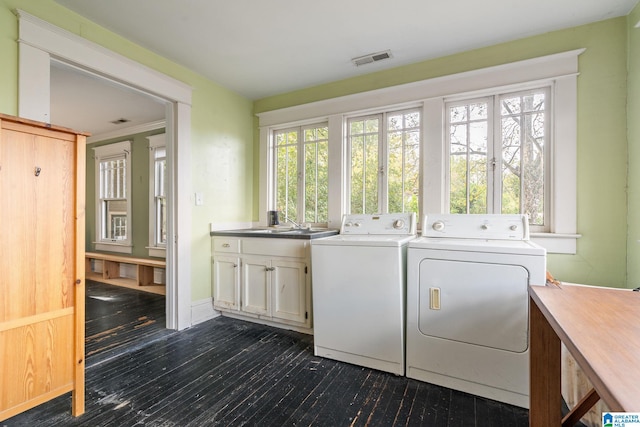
(226, 245)
(269, 268)
(235, 265)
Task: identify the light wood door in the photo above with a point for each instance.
(41, 267)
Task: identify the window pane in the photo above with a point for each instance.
(403, 140)
(286, 173)
(115, 215)
(364, 139)
(161, 220)
(316, 179)
(468, 157)
(371, 174)
(524, 138)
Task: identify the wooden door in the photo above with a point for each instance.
(41, 265)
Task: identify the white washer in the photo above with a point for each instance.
(359, 287)
(468, 304)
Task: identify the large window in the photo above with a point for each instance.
(384, 162)
(500, 139)
(157, 195)
(113, 197)
(301, 162)
(498, 151)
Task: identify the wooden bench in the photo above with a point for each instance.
(111, 268)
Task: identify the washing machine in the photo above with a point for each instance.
(468, 304)
(359, 282)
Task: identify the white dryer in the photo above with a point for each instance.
(468, 304)
(359, 280)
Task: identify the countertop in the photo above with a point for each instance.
(277, 233)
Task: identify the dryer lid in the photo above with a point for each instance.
(520, 247)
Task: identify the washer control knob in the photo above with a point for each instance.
(485, 226)
(357, 224)
(438, 225)
(513, 227)
(398, 224)
(348, 224)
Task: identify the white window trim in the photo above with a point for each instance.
(559, 70)
(155, 250)
(102, 152)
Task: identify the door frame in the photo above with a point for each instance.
(39, 43)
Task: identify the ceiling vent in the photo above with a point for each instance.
(371, 58)
(120, 121)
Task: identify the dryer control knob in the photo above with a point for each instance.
(438, 225)
(485, 226)
(513, 227)
(398, 224)
(357, 224)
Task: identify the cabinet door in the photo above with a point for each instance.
(226, 282)
(42, 288)
(256, 280)
(289, 289)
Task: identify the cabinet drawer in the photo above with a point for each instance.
(275, 247)
(226, 245)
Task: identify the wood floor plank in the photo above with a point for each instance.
(226, 372)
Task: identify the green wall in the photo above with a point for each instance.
(602, 135)
(221, 127)
(139, 192)
(224, 137)
(633, 135)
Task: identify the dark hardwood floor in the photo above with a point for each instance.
(227, 372)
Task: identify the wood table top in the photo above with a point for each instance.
(601, 329)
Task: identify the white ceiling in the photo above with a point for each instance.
(260, 48)
(89, 103)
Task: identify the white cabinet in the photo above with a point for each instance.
(226, 274)
(263, 278)
(256, 284)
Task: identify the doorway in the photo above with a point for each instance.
(40, 42)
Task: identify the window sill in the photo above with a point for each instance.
(556, 243)
(113, 247)
(157, 252)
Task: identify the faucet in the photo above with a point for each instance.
(295, 224)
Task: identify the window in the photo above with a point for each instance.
(157, 195)
(301, 163)
(498, 151)
(384, 162)
(113, 197)
(501, 139)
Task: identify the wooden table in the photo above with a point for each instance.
(601, 329)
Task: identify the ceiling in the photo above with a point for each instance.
(264, 48)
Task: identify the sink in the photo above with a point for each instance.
(299, 233)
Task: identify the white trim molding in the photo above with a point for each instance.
(41, 42)
(558, 71)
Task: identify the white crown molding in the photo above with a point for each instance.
(70, 48)
(131, 130)
(528, 70)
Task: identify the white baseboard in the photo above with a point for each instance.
(203, 310)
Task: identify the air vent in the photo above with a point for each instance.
(371, 58)
(120, 121)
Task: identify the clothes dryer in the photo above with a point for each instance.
(468, 304)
